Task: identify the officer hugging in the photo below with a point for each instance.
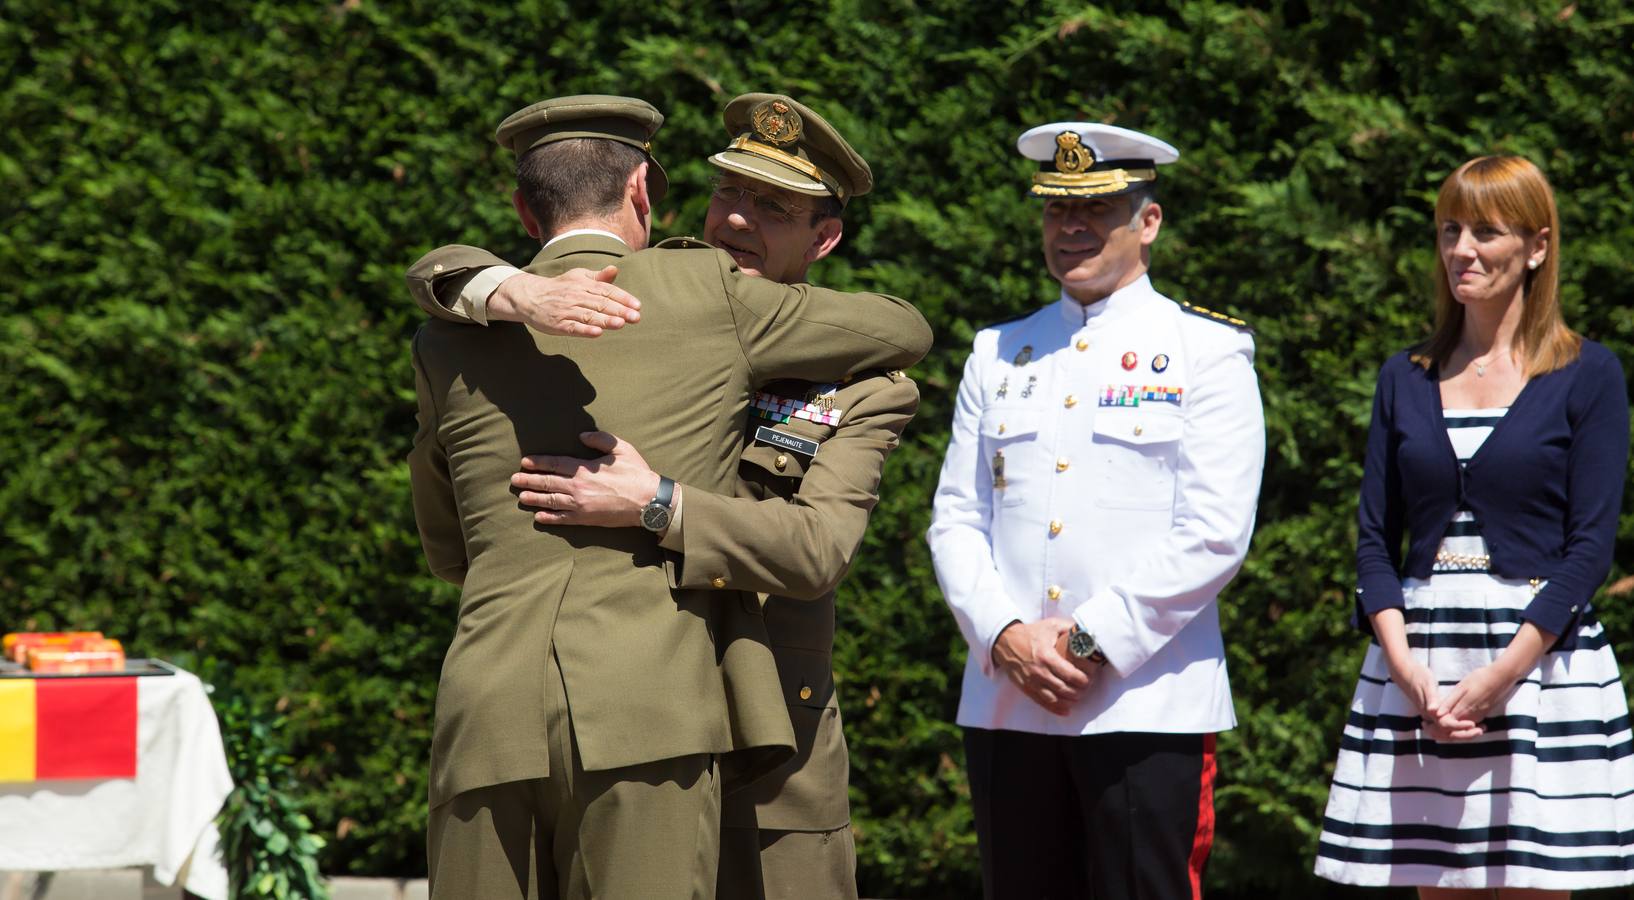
(708, 471)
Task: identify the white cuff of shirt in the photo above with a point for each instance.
(992, 630)
(673, 539)
(474, 296)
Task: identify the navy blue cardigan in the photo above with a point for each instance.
(1545, 486)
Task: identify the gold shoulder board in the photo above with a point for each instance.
(1222, 318)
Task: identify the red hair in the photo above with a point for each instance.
(1510, 191)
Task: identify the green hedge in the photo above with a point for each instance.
(207, 210)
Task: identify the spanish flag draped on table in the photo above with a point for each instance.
(67, 728)
(104, 771)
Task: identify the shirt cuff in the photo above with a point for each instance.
(1379, 591)
(474, 296)
(1553, 615)
(992, 639)
(1112, 644)
(672, 537)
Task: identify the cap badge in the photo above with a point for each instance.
(1130, 360)
(776, 123)
(1071, 156)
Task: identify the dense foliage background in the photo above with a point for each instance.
(207, 209)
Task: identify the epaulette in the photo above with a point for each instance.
(683, 242)
(1222, 318)
(892, 374)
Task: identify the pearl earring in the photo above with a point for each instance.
(1531, 264)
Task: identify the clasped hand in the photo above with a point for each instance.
(1028, 654)
(608, 491)
(1457, 715)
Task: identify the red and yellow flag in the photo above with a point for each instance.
(67, 728)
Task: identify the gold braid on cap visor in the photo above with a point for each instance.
(1088, 184)
(805, 167)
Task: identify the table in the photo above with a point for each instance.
(164, 817)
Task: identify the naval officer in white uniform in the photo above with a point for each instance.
(1097, 496)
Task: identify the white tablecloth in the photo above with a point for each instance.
(164, 818)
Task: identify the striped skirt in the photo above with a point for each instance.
(1544, 799)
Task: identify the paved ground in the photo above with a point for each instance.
(138, 884)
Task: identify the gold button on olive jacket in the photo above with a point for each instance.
(650, 672)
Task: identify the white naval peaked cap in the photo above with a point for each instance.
(1088, 159)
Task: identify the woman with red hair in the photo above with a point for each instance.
(1488, 747)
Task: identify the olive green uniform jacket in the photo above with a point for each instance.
(650, 673)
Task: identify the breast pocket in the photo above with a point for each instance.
(1137, 453)
(1010, 450)
(777, 456)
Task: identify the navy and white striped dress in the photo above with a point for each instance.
(1544, 799)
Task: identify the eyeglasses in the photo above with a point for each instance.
(731, 194)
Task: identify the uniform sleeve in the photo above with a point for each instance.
(1596, 466)
(800, 548)
(1379, 512)
(960, 534)
(814, 334)
(1217, 486)
(437, 281)
(435, 511)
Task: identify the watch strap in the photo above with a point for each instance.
(666, 492)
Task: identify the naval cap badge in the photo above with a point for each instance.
(776, 122)
(1071, 156)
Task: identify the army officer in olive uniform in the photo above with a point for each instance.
(1097, 495)
(583, 701)
(814, 450)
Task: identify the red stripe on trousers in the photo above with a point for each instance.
(1203, 841)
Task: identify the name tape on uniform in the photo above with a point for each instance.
(786, 441)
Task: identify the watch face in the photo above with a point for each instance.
(1081, 644)
(654, 517)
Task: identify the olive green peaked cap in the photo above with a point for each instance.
(623, 119)
(779, 140)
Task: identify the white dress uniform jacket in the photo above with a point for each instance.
(1104, 464)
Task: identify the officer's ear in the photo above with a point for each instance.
(828, 233)
(1148, 221)
(528, 221)
(635, 187)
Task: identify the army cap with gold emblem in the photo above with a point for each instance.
(778, 140)
(1088, 159)
(623, 119)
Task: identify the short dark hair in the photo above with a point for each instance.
(574, 178)
(826, 208)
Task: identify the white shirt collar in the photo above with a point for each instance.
(578, 231)
(1076, 315)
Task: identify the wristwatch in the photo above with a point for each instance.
(1083, 645)
(655, 515)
